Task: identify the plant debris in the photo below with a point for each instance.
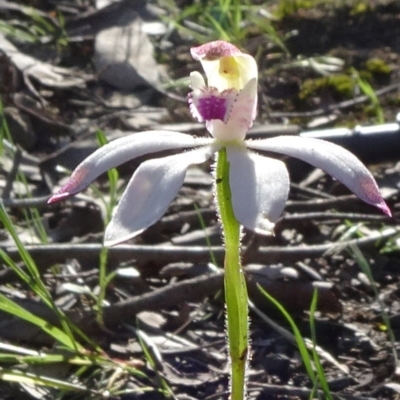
(71, 73)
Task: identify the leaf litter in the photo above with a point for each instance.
(165, 290)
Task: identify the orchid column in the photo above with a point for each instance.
(251, 189)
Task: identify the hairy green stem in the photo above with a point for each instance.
(234, 282)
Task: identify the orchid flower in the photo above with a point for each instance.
(227, 103)
(251, 188)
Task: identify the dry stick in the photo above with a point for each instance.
(37, 202)
(48, 255)
(193, 290)
(321, 204)
(332, 216)
(291, 205)
(275, 390)
(338, 106)
(286, 390)
(190, 290)
(13, 173)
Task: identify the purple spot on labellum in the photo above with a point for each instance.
(212, 107)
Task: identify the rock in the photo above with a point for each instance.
(124, 57)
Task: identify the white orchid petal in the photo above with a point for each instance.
(259, 186)
(120, 151)
(333, 159)
(149, 193)
(197, 81)
(198, 87)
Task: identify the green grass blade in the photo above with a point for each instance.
(33, 279)
(9, 306)
(26, 258)
(113, 177)
(299, 338)
(13, 375)
(317, 362)
(369, 91)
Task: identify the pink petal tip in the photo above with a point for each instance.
(57, 197)
(384, 207)
(214, 50)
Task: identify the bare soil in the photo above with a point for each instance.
(177, 297)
